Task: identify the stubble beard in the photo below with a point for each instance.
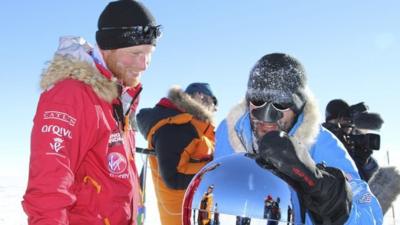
(126, 76)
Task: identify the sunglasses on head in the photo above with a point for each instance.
(149, 31)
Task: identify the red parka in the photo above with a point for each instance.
(82, 167)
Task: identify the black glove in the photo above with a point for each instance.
(361, 156)
(367, 169)
(323, 190)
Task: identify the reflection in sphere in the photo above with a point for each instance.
(236, 190)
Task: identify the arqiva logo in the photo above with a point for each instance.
(57, 130)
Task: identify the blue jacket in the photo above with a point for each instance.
(234, 135)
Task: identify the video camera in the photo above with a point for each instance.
(352, 122)
(367, 141)
(355, 139)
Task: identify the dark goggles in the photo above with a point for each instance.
(268, 111)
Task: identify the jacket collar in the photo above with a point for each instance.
(165, 102)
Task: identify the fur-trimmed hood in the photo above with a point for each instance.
(72, 60)
(182, 102)
(303, 134)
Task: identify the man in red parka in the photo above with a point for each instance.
(82, 168)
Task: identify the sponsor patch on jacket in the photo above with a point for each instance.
(62, 116)
(57, 130)
(117, 163)
(115, 138)
(57, 144)
(366, 198)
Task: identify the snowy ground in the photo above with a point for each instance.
(12, 188)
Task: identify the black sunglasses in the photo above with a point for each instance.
(278, 106)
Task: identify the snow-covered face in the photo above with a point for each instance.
(128, 64)
(260, 128)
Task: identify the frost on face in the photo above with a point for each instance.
(275, 81)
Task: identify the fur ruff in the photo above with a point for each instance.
(187, 104)
(63, 67)
(303, 138)
(385, 185)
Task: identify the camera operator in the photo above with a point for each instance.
(352, 125)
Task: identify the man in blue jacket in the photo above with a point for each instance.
(278, 121)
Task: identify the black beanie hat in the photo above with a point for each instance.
(278, 78)
(337, 108)
(126, 23)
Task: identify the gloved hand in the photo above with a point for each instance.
(366, 164)
(361, 156)
(324, 191)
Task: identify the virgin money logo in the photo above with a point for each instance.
(59, 116)
(117, 163)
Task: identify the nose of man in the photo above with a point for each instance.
(143, 61)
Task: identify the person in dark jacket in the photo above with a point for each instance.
(180, 130)
(350, 124)
(346, 120)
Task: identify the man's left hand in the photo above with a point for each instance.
(323, 190)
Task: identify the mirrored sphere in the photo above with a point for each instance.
(236, 190)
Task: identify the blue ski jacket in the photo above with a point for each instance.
(234, 135)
